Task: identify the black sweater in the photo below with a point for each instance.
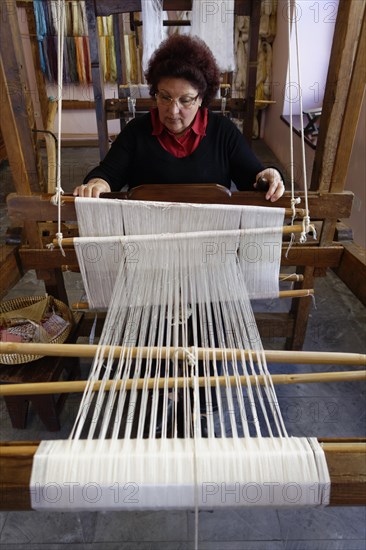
(137, 158)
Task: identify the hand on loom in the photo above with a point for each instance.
(274, 183)
(93, 188)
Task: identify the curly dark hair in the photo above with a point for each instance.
(188, 57)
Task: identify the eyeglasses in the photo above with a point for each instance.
(184, 102)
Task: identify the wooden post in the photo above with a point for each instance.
(40, 79)
(344, 88)
(300, 311)
(255, 14)
(341, 107)
(17, 123)
(97, 76)
(17, 116)
(351, 114)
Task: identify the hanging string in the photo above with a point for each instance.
(56, 199)
(307, 227)
(294, 200)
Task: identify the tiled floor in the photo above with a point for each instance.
(337, 323)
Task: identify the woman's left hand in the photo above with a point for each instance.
(276, 186)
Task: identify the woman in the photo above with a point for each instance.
(180, 141)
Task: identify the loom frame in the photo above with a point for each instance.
(337, 131)
(309, 260)
(346, 463)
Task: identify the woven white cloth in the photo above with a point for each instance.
(152, 28)
(213, 22)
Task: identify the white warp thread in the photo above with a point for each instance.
(114, 459)
(258, 251)
(226, 474)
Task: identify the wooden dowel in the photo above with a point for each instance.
(292, 277)
(272, 356)
(80, 305)
(69, 241)
(78, 386)
(300, 293)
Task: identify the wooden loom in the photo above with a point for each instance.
(345, 459)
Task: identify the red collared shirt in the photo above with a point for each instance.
(187, 143)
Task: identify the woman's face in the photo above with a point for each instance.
(179, 114)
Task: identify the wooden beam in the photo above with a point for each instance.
(300, 310)
(17, 116)
(107, 7)
(341, 78)
(38, 207)
(351, 114)
(304, 255)
(352, 269)
(345, 459)
(255, 15)
(10, 269)
(243, 7)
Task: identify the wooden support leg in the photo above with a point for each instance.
(45, 407)
(54, 284)
(300, 311)
(18, 410)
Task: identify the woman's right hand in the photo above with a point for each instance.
(93, 188)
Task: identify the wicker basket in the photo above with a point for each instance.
(18, 303)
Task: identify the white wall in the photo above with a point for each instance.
(276, 133)
(315, 29)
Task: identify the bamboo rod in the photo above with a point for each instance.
(296, 277)
(300, 293)
(272, 356)
(78, 386)
(283, 277)
(286, 229)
